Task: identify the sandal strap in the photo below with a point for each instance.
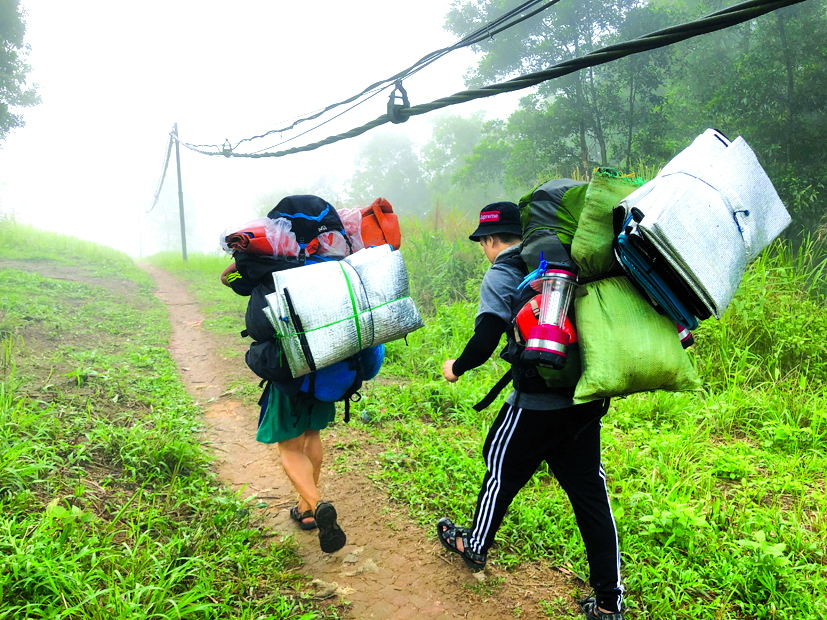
(453, 532)
(307, 514)
(472, 555)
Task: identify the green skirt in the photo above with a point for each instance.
(283, 417)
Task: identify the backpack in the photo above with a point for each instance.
(310, 217)
(549, 215)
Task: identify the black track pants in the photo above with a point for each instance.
(569, 441)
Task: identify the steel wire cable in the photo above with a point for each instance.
(719, 20)
(163, 174)
(484, 32)
(272, 146)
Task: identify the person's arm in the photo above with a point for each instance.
(480, 347)
(232, 277)
(230, 268)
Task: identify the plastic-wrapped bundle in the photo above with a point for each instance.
(261, 236)
(352, 221)
(710, 212)
(326, 312)
(274, 237)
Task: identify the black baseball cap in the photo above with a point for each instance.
(498, 217)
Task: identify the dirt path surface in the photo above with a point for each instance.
(391, 568)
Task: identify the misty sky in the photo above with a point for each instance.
(115, 76)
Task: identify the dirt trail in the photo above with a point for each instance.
(391, 568)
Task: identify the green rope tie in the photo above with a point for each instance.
(353, 305)
(354, 316)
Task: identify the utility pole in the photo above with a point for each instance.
(180, 195)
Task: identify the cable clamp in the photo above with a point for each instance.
(394, 109)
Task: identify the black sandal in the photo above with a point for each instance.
(299, 517)
(448, 533)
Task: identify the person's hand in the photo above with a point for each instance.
(448, 371)
(230, 268)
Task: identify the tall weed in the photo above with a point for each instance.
(443, 264)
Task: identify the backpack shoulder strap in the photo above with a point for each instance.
(489, 398)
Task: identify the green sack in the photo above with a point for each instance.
(626, 345)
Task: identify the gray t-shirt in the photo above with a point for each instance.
(497, 292)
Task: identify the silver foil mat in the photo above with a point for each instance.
(341, 307)
(710, 212)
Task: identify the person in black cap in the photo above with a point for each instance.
(537, 423)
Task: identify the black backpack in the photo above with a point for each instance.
(310, 216)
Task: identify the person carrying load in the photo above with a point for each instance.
(303, 345)
(291, 420)
(539, 420)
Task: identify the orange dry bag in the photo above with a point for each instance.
(380, 225)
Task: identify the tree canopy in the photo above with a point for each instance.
(765, 80)
(14, 91)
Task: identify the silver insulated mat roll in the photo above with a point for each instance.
(710, 212)
(329, 311)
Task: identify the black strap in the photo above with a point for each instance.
(494, 392)
(615, 272)
(347, 410)
(266, 385)
(297, 323)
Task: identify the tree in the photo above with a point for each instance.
(765, 80)
(14, 92)
(566, 31)
(388, 166)
(452, 142)
(604, 115)
(486, 164)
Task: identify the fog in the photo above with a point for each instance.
(114, 80)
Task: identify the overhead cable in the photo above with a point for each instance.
(505, 21)
(719, 20)
(163, 175)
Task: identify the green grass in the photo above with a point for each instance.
(21, 242)
(719, 496)
(108, 505)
